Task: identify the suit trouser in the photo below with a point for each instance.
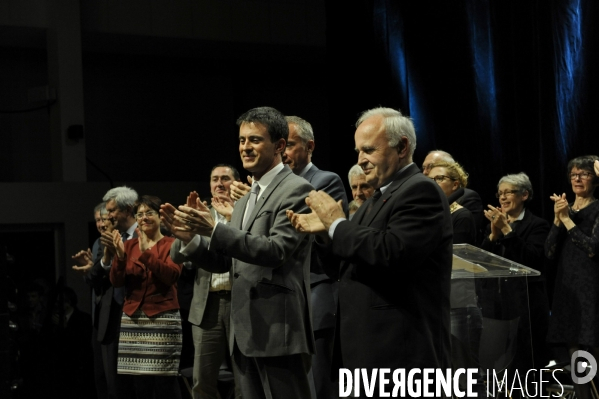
(105, 366)
(211, 342)
(322, 385)
(273, 377)
(99, 373)
(109, 383)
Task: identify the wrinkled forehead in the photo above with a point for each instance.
(356, 180)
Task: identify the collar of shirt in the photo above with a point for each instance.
(305, 170)
(220, 218)
(269, 176)
(520, 217)
(386, 186)
(131, 230)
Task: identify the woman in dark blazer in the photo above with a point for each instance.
(452, 179)
(150, 338)
(516, 234)
(466, 317)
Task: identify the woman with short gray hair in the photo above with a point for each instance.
(516, 234)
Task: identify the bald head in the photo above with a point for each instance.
(435, 156)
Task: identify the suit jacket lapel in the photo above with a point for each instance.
(522, 225)
(395, 185)
(365, 220)
(263, 196)
(310, 173)
(237, 217)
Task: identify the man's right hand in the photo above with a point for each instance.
(83, 260)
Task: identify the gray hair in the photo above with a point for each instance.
(396, 126)
(304, 128)
(99, 207)
(355, 170)
(123, 196)
(521, 182)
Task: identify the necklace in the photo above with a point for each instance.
(576, 208)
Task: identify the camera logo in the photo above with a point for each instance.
(583, 367)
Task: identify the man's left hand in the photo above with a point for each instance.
(325, 207)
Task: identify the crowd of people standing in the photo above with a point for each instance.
(291, 282)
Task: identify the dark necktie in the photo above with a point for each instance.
(251, 203)
(124, 236)
(377, 194)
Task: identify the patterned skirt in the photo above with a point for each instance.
(150, 345)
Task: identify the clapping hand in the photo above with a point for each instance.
(167, 215)
(142, 239)
(306, 223)
(499, 223)
(239, 189)
(119, 247)
(327, 209)
(223, 206)
(560, 208)
(194, 219)
(83, 260)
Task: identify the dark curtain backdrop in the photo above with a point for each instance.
(504, 86)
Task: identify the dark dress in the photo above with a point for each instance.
(466, 317)
(575, 313)
(524, 245)
(464, 227)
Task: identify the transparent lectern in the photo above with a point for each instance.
(490, 317)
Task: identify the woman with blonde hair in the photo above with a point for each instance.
(452, 179)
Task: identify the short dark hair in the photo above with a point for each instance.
(236, 174)
(585, 162)
(150, 201)
(273, 120)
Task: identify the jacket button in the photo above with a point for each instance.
(236, 275)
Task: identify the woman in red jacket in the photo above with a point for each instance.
(150, 338)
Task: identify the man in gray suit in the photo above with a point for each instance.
(210, 309)
(271, 332)
(298, 155)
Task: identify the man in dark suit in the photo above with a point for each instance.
(298, 155)
(395, 254)
(120, 202)
(469, 200)
(210, 309)
(271, 330)
(84, 262)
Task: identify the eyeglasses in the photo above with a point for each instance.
(506, 193)
(149, 214)
(440, 178)
(581, 175)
